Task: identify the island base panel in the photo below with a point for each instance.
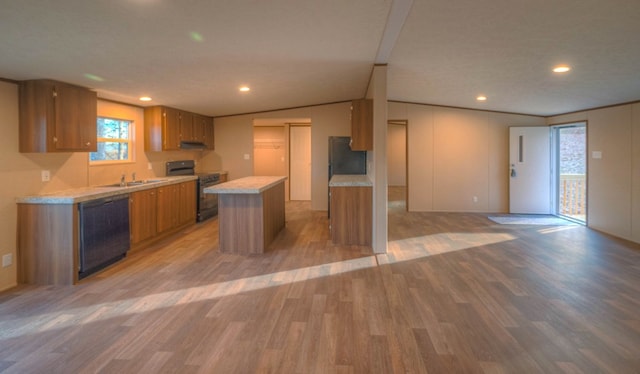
(248, 223)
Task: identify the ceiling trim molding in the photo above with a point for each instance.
(281, 109)
(595, 108)
(460, 107)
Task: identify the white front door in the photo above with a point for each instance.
(530, 170)
(300, 162)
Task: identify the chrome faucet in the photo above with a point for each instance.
(122, 182)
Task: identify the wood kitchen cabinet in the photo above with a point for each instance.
(187, 133)
(187, 198)
(57, 117)
(351, 215)
(167, 206)
(176, 205)
(209, 139)
(362, 125)
(166, 128)
(161, 129)
(143, 215)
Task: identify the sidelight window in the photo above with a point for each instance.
(115, 141)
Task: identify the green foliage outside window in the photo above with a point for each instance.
(114, 141)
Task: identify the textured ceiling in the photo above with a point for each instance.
(195, 54)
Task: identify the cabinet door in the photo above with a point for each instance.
(362, 125)
(187, 202)
(75, 123)
(167, 205)
(142, 215)
(209, 139)
(199, 128)
(351, 215)
(171, 129)
(186, 126)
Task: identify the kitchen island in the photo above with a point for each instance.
(250, 213)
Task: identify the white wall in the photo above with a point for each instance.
(613, 189)
(234, 138)
(456, 154)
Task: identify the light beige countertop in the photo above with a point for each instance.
(246, 185)
(78, 195)
(350, 180)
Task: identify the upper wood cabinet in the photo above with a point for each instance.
(161, 129)
(166, 128)
(57, 117)
(362, 125)
(209, 139)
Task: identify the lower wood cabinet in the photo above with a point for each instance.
(142, 215)
(351, 215)
(176, 205)
(48, 234)
(187, 198)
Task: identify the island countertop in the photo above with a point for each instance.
(246, 185)
(350, 180)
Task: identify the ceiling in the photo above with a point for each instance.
(194, 55)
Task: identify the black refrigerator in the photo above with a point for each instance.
(342, 160)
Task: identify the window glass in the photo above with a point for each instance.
(114, 141)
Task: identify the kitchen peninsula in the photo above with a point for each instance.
(250, 213)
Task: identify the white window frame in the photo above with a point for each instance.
(130, 143)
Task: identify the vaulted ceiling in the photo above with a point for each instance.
(195, 54)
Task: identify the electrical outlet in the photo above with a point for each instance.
(46, 175)
(7, 260)
(475, 199)
(149, 166)
(247, 156)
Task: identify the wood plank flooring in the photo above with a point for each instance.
(456, 293)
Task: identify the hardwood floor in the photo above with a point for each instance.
(455, 293)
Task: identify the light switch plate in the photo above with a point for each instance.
(7, 260)
(247, 156)
(596, 154)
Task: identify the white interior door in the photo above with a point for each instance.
(300, 162)
(530, 170)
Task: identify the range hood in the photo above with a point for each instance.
(192, 145)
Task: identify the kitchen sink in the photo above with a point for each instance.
(136, 183)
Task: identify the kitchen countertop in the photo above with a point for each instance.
(350, 180)
(246, 185)
(78, 195)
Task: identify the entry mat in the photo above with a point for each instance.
(531, 219)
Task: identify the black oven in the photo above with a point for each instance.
(207, 203)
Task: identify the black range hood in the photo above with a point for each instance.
(192, 145)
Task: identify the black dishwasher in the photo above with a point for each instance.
(104, 233)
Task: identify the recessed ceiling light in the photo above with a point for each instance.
(561, 69)
(481, 98)
(245, 89)
(145, 98)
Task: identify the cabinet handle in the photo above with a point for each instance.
(88, 144)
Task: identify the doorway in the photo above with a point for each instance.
(282, 147)
(570, 179)
(397, 165)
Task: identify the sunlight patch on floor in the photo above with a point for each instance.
(429, 245)
(35, 324)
